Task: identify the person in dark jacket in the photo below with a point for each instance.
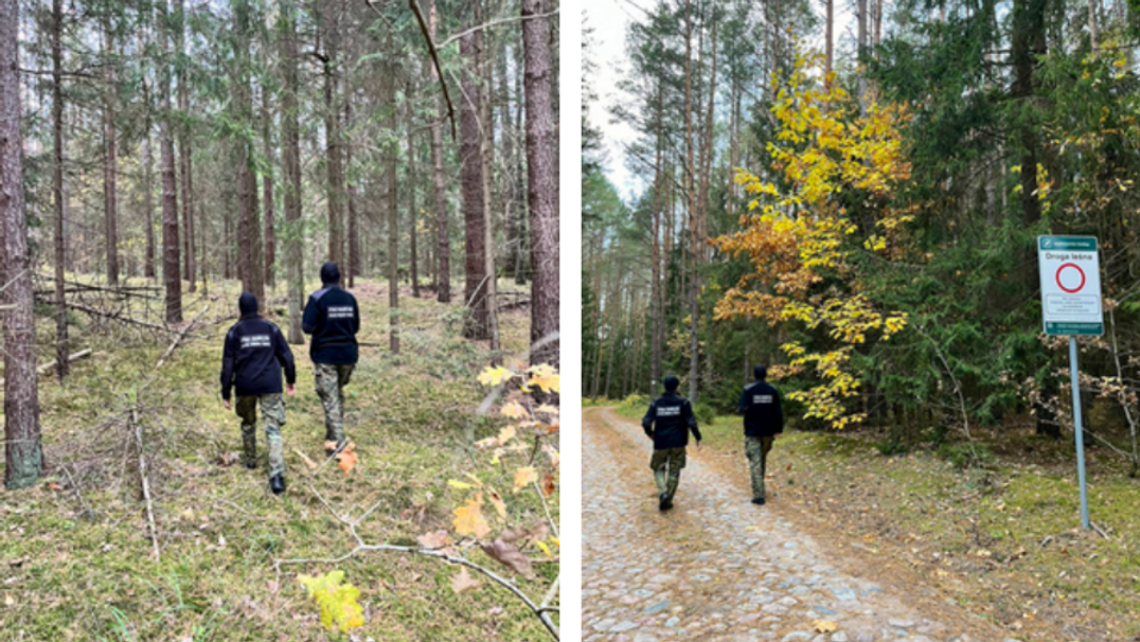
(668, 422)
(333, 318)
(254, 354)
(763, 422)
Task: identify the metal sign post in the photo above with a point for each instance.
(1071, 305)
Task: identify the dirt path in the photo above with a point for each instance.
(716, 567)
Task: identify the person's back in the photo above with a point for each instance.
(672, 417)
(668, 422)
(763, 422)
(253, 356)
(760, 405)
(332, 316)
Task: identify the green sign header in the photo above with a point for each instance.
(1086, 243)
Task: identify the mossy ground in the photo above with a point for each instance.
(77, 563)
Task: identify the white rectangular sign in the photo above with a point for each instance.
(1070, 285)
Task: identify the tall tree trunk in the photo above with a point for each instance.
(519, 196)
(350, 194)
(110, 206)
(171, 271)
(861, 52)
(655, 289)
(829, 47)
(62, 367)
(691, 203)
(542, 189)
(22, 446)
(294, 256)
(267, 190)
(184, 133)
(251, 265)
(471, 178)
(412, 194)
(393, 153)
(148, 189)
(443, 244)
(330, 29)
(486, 151)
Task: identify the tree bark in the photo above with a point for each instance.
(184, 133)
(171, 270)
(691, 203)
(294, 256)
(393, 159)
(471, 177)
(267, 190)
(251, 266)
(443, 244)
(110, 206)
(542, 189)
(412, 195)
(330, 32)
(23, 454)
(350, 194)
(61, 343)
(486, 150)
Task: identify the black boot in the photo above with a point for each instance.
(250, 464)
(759, 501)
(277, 484)
(662, 501)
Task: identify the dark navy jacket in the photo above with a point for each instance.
(760, 405)
(254, 354)
(333, 318)
(669, 420)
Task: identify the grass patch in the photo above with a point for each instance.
(77, 562)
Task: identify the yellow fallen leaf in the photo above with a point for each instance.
(469, 518)
(455, 483)
(506, 434)
(524, 476)
(513, 410)
(825, 626)
(495, 375)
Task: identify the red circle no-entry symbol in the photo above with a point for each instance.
(1079, 271)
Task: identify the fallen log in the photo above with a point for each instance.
(48, 367)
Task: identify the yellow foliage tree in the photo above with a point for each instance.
(799, 238)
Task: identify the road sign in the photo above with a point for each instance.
(1070, 285)
(1070, 304)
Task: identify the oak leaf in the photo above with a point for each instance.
(524, 476)
(346, 458)
(509, 556)
(513, 410)
(434, 539)
(469, 518)
(462, 581)
(338, 602)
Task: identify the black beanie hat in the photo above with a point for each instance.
(247, 303)
(761, 372)
(671, 383)
(330, 273)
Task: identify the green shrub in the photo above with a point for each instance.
(890, 447)
(706, 414)
(962, 456)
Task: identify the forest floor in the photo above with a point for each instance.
(76, 557)
(1002, 541)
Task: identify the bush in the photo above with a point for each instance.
(962, 456)
(706, 414)
(890, 447)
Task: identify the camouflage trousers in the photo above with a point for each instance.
(757, 449)
(667, 464)
(273, 413)
(331, 380)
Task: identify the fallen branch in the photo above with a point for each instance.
(145, 484)
(178, 339)
(114, 316)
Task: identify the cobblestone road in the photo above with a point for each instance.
(715, 567)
